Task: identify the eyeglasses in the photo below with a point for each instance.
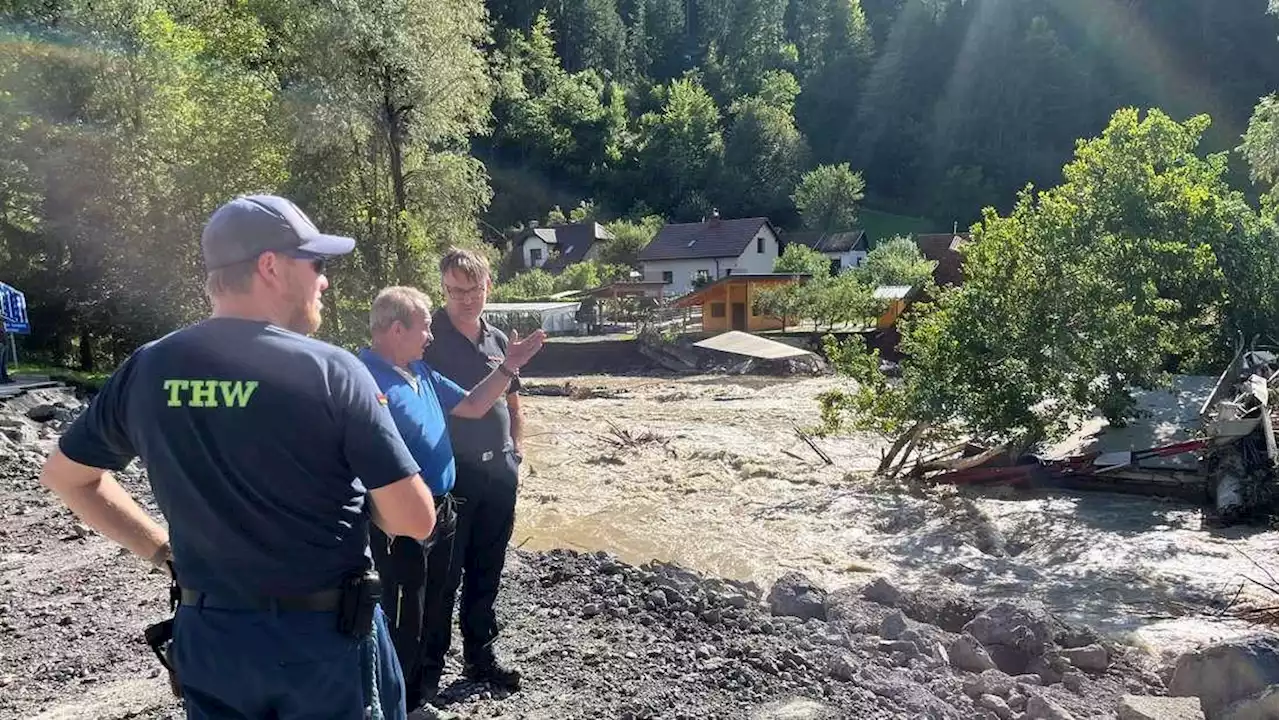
(457, 293)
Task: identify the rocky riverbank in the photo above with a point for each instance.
(601, 638)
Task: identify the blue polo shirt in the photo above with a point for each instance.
(419, 413)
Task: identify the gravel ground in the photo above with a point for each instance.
(595, 636)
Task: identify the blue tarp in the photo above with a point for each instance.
(13, 306)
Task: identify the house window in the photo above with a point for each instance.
(835, 266)
(535, 257)
(702, 276)
(717, 310)
(666, 277)
(759, 244)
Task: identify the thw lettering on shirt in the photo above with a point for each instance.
(210, 393)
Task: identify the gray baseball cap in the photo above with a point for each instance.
(253, 224)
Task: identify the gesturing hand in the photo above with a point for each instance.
(520, 351)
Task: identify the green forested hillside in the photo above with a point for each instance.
(416, 124)
(944, 105)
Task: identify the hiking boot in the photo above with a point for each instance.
(493, 672)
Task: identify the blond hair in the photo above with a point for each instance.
(232, 279)
(470, 264)
(398, 303)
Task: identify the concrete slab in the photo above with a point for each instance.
(741, 343)
(1165, 416)
(23, 383)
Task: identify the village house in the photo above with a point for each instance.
(845, 249)
(688, 255)
(559, 246)
(730, 302)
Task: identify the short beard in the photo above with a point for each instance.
(302, 318)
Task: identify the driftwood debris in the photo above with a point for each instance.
(910, 437)
(812, 445)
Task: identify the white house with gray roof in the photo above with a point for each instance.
(715, 248)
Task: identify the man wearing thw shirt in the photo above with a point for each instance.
(419, 398)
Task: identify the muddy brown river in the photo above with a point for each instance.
(709, 472)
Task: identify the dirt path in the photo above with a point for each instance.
(709, 473)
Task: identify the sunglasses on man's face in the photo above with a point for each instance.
(318, 262)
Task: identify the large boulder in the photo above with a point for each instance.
(1236, 674)
(1040, 707)
(966, 653)
(1145, 707)
(1015, 634)
(795, 595)
(1090, 658)
(946, 607)
(1264, 705)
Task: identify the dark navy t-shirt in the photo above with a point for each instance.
(467, 361)
(260, 445)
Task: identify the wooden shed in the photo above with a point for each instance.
(729, 303)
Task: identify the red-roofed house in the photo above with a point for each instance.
(942, 248)
(683, 253)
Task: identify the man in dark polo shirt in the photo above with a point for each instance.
(486, 450)
(419, 399)
(268, 453)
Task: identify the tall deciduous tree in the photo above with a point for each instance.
(681, 148)
(1084, 291)
(764, 152)
(896, 261)
(827, 197)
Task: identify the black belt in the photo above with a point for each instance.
(323, 601)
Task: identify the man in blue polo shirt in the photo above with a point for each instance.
(419, 398)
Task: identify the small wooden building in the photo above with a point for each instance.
(729, 303)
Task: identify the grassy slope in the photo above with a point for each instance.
(89, 380)
(882, 225)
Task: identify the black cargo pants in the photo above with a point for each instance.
(486, 492)
(413, 577)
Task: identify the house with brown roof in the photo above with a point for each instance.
(559, 246)
(943, 248)
(688, 255)
(845, 249)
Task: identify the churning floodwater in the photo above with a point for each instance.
(710, 474)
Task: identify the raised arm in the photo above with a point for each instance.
(494, 385)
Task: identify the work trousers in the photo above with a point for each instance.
(283, 665)
(413, 574)
(486, 493)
